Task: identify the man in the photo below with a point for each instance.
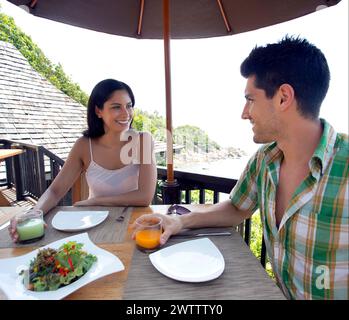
(298, 179)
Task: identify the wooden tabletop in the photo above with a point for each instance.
(112, 287)
(6, 153)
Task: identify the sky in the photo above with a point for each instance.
(207, 88)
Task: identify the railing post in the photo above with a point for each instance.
(18, 178)
(215, 197)
(54, 169)
(202, 196)
(247, 231)
(41, 171)
(188, 196)
(8, 163)
(263, 252)
(9, 172)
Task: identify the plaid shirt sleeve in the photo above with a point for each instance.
(244, 195)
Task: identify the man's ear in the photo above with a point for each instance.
(286, 96)
(98, 112)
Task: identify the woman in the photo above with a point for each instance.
(119, 162)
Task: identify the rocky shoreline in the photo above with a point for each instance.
(187, 157)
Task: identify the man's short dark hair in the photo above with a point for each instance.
(296, 62)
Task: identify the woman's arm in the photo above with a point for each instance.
(146, 183)
(60, 185)
(65, 179)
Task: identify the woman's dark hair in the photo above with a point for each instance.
(293, 61)
(99, 95)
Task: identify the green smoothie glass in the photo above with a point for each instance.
(30, 226)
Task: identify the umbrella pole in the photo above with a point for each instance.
(170, 188)
(167, 57)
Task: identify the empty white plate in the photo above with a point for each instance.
(11, 282)
(190, 261)
(78, 220)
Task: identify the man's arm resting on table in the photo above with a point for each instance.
(223, 214)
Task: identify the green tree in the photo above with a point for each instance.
(11, 33)
(256, 241)
(153, 123)
(194, 139)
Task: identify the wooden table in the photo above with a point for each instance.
(112, 287)
(7, 153)
(4, 154)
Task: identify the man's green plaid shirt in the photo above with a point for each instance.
(310, 249)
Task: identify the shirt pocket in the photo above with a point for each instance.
(322, 234)
(331, 235)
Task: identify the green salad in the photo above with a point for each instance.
(52, 269)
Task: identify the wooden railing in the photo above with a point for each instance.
(37, 167)
(33, 173)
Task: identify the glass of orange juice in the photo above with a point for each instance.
(148, 234)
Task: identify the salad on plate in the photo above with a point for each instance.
(52, 269)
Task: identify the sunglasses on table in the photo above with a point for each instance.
(177, 209)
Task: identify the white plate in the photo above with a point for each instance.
(11, 282)
(190, 261)
(78, 220)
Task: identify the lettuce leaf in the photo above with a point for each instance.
(69, 258)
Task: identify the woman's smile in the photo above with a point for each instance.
(123, 122)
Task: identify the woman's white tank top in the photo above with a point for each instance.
(104, 182)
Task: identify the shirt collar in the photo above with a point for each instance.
(272, 152)
(324, 149)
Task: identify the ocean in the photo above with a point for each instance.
(226, 168)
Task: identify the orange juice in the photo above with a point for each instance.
(148, 238)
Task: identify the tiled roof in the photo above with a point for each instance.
(33, 110)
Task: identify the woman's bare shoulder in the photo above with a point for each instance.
(81, 145)
(82, 141)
